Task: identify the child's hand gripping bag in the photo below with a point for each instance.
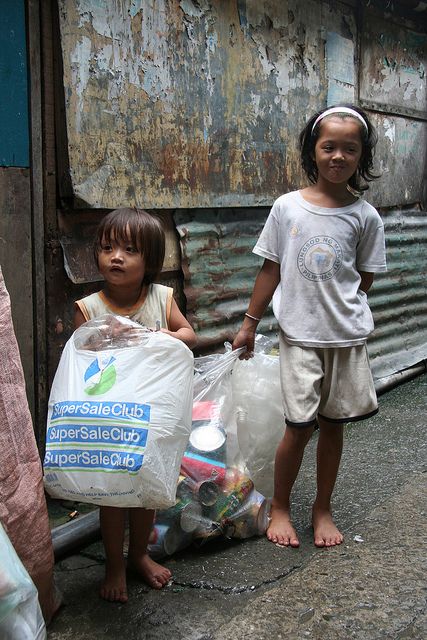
(119, 416)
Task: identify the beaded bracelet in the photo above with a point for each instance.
(248, 315)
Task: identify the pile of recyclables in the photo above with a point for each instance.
(227, 468)
(213, 499)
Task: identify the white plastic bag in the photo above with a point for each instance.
(20, 614)
(119, 416)
(258, 408)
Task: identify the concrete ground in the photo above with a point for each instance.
(371, 587)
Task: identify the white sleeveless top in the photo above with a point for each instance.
(155, 307)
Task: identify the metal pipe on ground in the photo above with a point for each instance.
(72, 536)
(85, 529)
(385, 384)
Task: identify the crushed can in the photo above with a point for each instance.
(206, 530)
(251, 519)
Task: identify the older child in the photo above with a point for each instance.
(321, 246)
(129, 251)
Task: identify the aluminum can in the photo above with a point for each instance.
(165, 540)
(186, 488)
(251, 519)
(190, 516)
(173, 514)
(208, 439)
(201, 467)
(229, 501)
(207, 491)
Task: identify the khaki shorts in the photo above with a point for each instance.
(333, 383)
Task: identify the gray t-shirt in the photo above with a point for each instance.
(318, 302)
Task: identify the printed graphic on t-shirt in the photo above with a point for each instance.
(294, 231)
(320, 258)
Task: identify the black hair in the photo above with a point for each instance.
(144, 230)
(308, 139)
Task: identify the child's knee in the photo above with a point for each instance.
(300, 436)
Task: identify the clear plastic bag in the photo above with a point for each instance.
(20, 613)
(258, 407)
(119, 415)
(215, 494)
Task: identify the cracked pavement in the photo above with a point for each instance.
(373, 586)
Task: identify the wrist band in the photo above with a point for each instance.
(248, 315)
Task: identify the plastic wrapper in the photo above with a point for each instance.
(20, 613)
(215, 494)
(119, 416)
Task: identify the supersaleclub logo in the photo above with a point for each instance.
(93, 435)
(100, 375)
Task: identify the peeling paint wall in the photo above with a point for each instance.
(394, 61)
(191, 104)
(177, 104)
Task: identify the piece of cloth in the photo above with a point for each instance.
(318, 302)
(156, 306)
(23, 510)
(334, 383)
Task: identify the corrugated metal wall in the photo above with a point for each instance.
(196, 106)
(398, 298)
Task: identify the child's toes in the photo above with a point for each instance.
(113, 595)
(271, 536)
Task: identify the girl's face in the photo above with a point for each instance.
(121, 263)
(338, 149)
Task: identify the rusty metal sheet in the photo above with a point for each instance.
(394, 63)
(400, 159)
(398, 297)
(189, 104)
(220, 270)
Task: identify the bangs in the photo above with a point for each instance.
(123, 227)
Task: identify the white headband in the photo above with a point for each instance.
(350, 112)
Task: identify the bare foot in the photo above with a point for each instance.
(114, 587)
(154, 574)
(281, 530)
(326, 533)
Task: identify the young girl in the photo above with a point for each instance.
(321, 246)
(129, 251)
